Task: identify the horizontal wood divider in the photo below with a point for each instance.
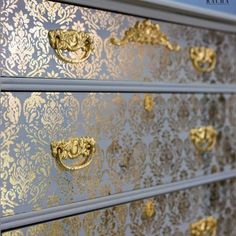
(78, 85)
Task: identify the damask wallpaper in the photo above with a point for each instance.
(26, 51)
(165, 215)
(135, 147)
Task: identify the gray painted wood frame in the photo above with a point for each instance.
(166, 10)
(26, 219)
(76, 85)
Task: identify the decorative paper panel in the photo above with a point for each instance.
(222, 204)
(26, 51)
(138, 144)
(170, 215)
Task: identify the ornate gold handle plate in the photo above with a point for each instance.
(204, 227)
(203, 59)
(71, 40)
(203, 138)
(82, 148)
(145, 32)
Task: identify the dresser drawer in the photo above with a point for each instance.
(202, 56)
(113, 142)
(182, 213)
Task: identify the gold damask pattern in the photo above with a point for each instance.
(173, 215)
(135, 148)
(26, 50)
(221, 204)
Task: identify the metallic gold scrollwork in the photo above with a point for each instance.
(204, 227)
(145, 32)
(148, 103)
(203, 59)
(71, 40)
(203, 138)
(82, 148)
(148, 210)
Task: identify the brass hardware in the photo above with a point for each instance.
(148, 103)
(82, 148)
(71, 40)
(203, 59)
(145, 32)
(204, 227)
(203, 138)
(148, 210)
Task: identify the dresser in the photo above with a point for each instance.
(117, 118)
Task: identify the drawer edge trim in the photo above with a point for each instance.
(76, 85)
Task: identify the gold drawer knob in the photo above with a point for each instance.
(203, 138)
(203, 59)
(204, 227)
(148, 210)
(82, 148)
(145, 32)
(148, 103)
(71, 40)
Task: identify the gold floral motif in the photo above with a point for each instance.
(19, 173)
(71, 40)
(74, 148)
(182, 112)
(146, 32)
(103, 20)
(110, 221)
(46, 11)
(203, 59)
(22, 47)
(10, 110)
(148, 103)
(203, 138)
(204, 227)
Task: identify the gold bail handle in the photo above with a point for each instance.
(82, 148)
(203, 138)
(71, 40)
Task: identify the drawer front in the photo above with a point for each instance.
(26, 50)
(142, 140)
(178, 214)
